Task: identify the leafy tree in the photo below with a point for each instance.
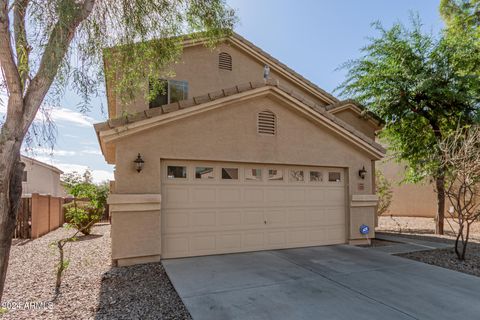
(461, 14)
(89, 200)
(46, 44)
(422, 86)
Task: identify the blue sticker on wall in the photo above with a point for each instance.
(364, 229)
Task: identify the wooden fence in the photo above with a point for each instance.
(38, 215)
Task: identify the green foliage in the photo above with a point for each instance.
(82, 216)
(384, 192)
(461, 14)
(89, 201)
(144, 33)
(422, 86)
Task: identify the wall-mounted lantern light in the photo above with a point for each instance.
(139, 163)
(362, 173)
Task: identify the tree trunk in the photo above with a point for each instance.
(10, 196)
(440, 216)
(61, 266)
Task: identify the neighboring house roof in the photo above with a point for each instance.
(130, 124)
(39, 163)
(357, 107)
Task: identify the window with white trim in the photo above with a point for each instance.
(167, 91)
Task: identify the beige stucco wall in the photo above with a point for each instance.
(413, 200)
(41, 179)
(228, 134)
(199, 66)
(354, 119)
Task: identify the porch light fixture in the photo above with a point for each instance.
(362, 173)
(139, 163)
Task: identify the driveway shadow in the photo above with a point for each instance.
(139, 292)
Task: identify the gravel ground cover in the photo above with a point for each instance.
(91, 288)
(424, 229)
(422, 226)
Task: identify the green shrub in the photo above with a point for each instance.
(82, 216)
(89, 201)
(384, 192)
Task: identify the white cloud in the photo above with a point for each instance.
(53, 152)
(98, 175)
(91, 151)
(60, 115)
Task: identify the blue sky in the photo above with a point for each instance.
(312, 37)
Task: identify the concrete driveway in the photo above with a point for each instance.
(330, 282)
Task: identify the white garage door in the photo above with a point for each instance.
(213, 207)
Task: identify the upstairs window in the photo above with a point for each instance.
(167, 91)
(267, 122)
(225, 61)
(24, 176)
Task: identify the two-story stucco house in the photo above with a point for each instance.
(234, 162)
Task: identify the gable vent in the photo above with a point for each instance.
(225, 61)
(267, 122)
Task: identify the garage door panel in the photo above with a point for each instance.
(315, 195)
(297, 216)
(230, 218)
(275, 194)
(176, 246)
(276, 238)
(202, 194)
(254, 240)
(334, 196)
(212, 216)
(177, 195)
(254, 217)
(275, 218)
(204, 242)
(228, 195)
(296, 194)
(203, 219)
(315, 214)
(229, 241)
(254, 195)
(298, 236)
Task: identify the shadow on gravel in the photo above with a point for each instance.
(139, 292)
(89, 237)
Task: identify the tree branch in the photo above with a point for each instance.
(21, 42)
(55, 51)
(7, 61)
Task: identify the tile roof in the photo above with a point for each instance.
(283, 66)
(342, 103)
(164, 109)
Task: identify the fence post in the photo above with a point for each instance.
(34, 215)
(49, 213)
(61, 213)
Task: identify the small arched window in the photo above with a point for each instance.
(225, 61)
(267, 122)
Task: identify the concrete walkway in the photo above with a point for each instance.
(405, 244)
(330, 282)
